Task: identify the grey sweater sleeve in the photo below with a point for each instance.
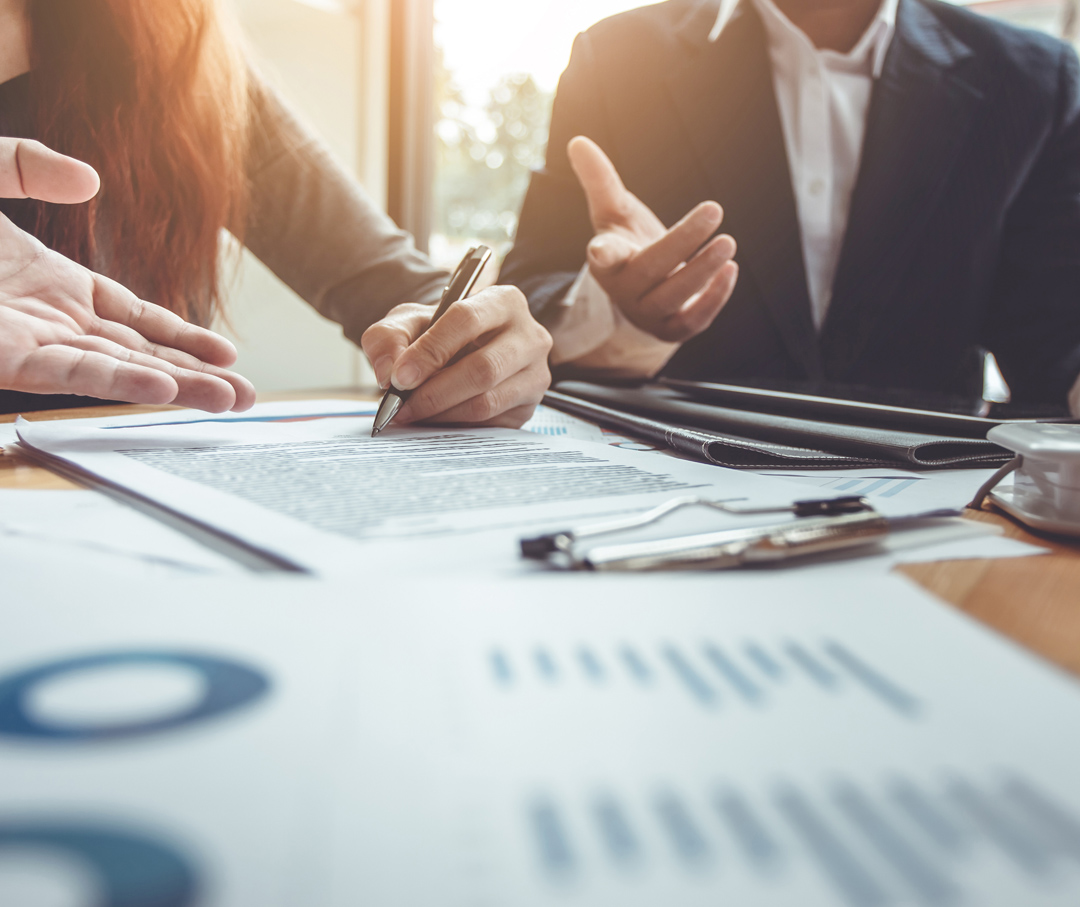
(314, 226)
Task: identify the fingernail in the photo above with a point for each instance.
(601, 252)
(406, 377)
(383, 368)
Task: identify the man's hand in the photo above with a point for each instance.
(66, 330)
(666, 282)
(500, 378)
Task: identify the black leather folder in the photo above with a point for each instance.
(745, 439)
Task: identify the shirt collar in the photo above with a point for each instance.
(874, 42)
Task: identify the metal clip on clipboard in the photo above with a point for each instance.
(820, 527)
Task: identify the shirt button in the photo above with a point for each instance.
(817, 186)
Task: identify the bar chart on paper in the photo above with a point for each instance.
(844, 842)
(709, 675)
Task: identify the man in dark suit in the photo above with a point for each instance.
(902, 179)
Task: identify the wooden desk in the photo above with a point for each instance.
(1034, 600)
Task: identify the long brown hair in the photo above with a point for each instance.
(153, 94)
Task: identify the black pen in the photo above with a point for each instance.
(460, 286)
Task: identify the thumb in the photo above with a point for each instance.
(607, 254)
(30, 170)
(604, 189)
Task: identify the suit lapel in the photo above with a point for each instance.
(725, 99)
(919, 117)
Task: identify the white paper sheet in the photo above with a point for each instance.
(92, 522)
(311, 492)
(742, 741)
(736, 739)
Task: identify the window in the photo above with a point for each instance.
(492, 109)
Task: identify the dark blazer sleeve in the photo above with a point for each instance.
(1034, 323)
(313, 225)
(554, 229)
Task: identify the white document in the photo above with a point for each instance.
(928, 489)
(93, 523)
(738, 740)
(731, 739)
(311, 492)
(163, 743)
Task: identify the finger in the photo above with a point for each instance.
(522, 390)
(134, 341)
(464, 322)
(385, 341)
(605, 193)
(676, 290)
(701, 311)
(654, 263)
(480, 371)
(62, 369)
(196, 389)
(607, 255)
(113, 302)
(28, 169)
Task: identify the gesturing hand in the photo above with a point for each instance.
(500, 379)
(66, 330)
(666, 282)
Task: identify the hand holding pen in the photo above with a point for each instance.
(483, 360)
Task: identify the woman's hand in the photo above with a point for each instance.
(66, 330)
(499, 380)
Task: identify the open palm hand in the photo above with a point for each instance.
(66, 330)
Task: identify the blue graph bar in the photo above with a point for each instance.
(619, 838)
(847, 486)
(730, 671)
(899, 487)
(875, 682)
(694, 682)
(591, 664)
(686, 837)
(928, 883)
(1047, 816)
(839, 864)
(874, 486)
(941, 831)
(636, 665)
(749, 831)
(500, 666)
(768, 665)
(997, 826)
(814, 669)
(545, 664)
(551, 838)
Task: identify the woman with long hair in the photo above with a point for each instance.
(188, 141)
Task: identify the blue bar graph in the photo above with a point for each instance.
(873, 680)
(759, 846)
(551, 837)
(545, 664)
(998, 827)
(500, 666)
(686, 838)
(928, 883)
(854, 883)
(594, 671)
(941, 831)
(693, 681)
(734, 676)
(1051, 819)
(768, 665)
(618, 837)
(636, 666)
(813, 668)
